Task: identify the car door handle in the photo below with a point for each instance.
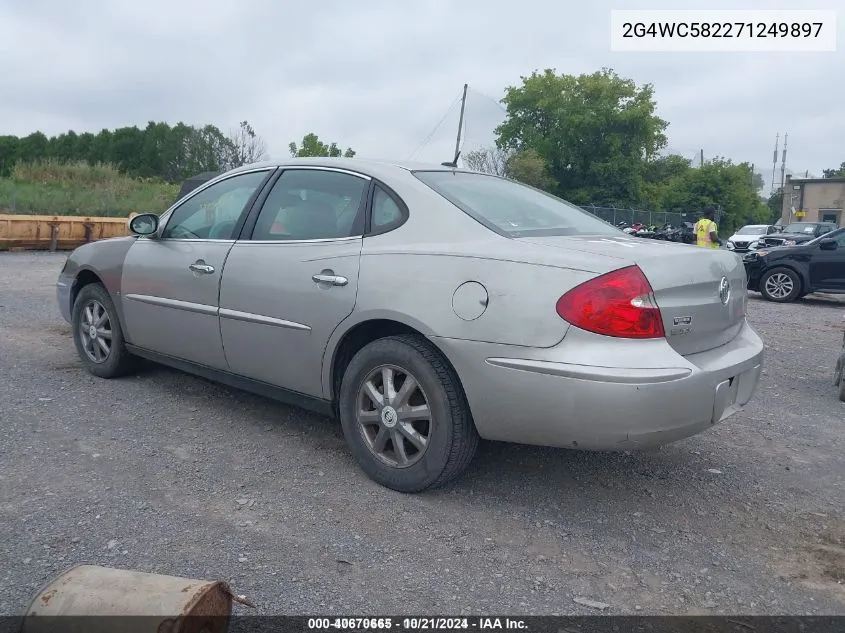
(198, 267)
(334, 280)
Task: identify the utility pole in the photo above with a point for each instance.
(752, 175)
(775, 161)
(461, 123)
(783, 164)
(701, 158)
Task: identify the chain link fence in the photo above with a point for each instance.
(615, 215)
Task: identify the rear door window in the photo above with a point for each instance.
(312, 204)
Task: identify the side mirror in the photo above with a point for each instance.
(144, 224)
(828, 244)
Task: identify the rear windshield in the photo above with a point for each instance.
(513, 209)
(800, 227)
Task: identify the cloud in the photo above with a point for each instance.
(378, 75)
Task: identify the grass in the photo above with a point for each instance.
(56, 188)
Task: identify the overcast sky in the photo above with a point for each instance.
(378, 75)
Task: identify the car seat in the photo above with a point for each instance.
(222, 230)
(311, 220)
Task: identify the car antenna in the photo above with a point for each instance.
(454, 163)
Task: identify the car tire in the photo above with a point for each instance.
(103, 349)
(781, 285)
(388, 447)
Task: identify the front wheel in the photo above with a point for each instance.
(405, 416)
(98, 335)
(780, 285)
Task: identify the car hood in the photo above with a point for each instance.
(790, 248)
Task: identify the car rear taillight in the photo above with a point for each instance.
(620, 303)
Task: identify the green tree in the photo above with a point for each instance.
(835, 173)
(156, 151)
(594, 132)
(9, 148)
(126, 149)
(720, 183)
(33, 147)
(775, 205)
(100, 150)
(657, 172)
(528, 167)
(312, 146)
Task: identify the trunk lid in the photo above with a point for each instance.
(687, 283)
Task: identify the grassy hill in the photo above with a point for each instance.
(54, 188)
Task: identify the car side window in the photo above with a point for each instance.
(386, 211)
(213, 213)
(840, 240)
(312, 204)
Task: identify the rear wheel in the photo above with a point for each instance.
(98, 335)
(404, 415)
(781, 285)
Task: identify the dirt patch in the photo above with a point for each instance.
(830, 557)
(820, 563)
(63, 329)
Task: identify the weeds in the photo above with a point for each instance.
(54, 188)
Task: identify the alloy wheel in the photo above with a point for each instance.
(779, 285)
(394, 416)
(95, 331)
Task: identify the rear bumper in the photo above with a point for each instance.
(533, 396)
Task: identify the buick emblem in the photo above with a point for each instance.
(724, 290)
(389, 417)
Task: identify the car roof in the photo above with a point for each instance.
(370, 166)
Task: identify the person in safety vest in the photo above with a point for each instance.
(707, 231)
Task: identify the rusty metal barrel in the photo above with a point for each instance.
(97, 599)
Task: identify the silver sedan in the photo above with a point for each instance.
(425, 307)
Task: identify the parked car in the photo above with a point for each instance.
(748, 237)
(424, 307)
(797, 233)
(787, 273)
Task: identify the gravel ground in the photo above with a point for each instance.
(166, 473)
